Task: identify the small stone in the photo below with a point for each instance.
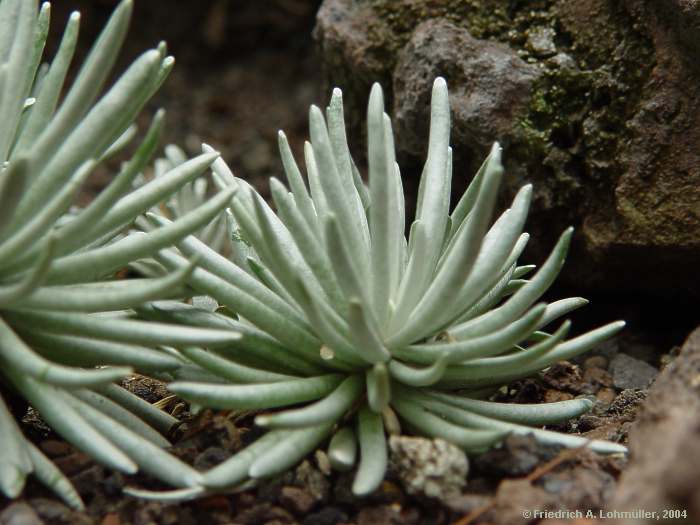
(597, 377)
(211, 457)
(597, 361)
(564, 376)
(588, 422)
(322, 462)
(552, 396)
(540, 41)
(379, 515)
(518, 456)
(327, 516)
(562, 61)
(19, 514)
(312, 480)
(605, 396)
(433, 468)
(296, 500)
(631, 373)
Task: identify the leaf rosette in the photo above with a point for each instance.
(349, 329)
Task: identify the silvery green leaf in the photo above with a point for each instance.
(86, 87)
(373, 453)
(344, 317)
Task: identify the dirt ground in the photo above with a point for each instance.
(501, 484)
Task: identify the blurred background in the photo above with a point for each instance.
(244, 69)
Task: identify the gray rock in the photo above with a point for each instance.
(432, 468)
(631, 373)
(517, 457)
(490, 86)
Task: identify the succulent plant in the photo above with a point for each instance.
(359, 330)
(62, 313)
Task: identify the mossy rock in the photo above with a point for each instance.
(597, 103)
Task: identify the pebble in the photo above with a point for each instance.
(323, 462)
(605, 395)
(630, 373)
(210, 458)
(540, 40)
(312, 480)
(553, 396)
(428, 467)
(562, 61)
(597, 377)
(296, 500)
(19, 514)
(518, 456)
(565, 376)
(596, 361)
(327, 516)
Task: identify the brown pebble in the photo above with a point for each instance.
(606, 395)
(296, 500)
(596, 361)
(552, 396)
(597, 377)
(323, 463)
